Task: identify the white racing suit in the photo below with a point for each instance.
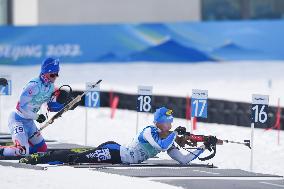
(148, 144)
(145, 145)
(21, 121)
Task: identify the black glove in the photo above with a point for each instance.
(3, 81)
(181, 130)
(41, 118)
(209, 142)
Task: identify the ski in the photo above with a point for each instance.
(144, 165)
(21, 165)
(53, 149)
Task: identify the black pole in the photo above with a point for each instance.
(10, 11)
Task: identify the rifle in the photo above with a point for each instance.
(192, 141)
(65, 108)
(202, 138)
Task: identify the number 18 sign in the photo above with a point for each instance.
(199, 103)
(144, 98)
(92, 98)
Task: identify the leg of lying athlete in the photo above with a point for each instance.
(108, 152)
(51, 157)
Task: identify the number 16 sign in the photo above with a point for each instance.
(199, 103)
(259, 116)
(259, 108)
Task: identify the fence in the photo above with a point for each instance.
(219, 111)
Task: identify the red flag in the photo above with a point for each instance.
(194, 121)
(110, 98)
(187, 108)
(277, 119)
(114, 106)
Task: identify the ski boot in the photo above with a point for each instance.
(33, 159)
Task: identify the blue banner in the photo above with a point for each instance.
(160, 42)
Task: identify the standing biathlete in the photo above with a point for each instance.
(21, 121)
(148, 143)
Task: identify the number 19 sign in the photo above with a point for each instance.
(144, 98)
(92, 98)
(199, 103)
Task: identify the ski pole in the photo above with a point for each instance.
(65, 108)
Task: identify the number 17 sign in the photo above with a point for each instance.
(199, 103)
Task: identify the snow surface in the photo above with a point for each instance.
(68, 177)
(231, 81)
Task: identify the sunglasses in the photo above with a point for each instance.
(169, 112)
(54, 75)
